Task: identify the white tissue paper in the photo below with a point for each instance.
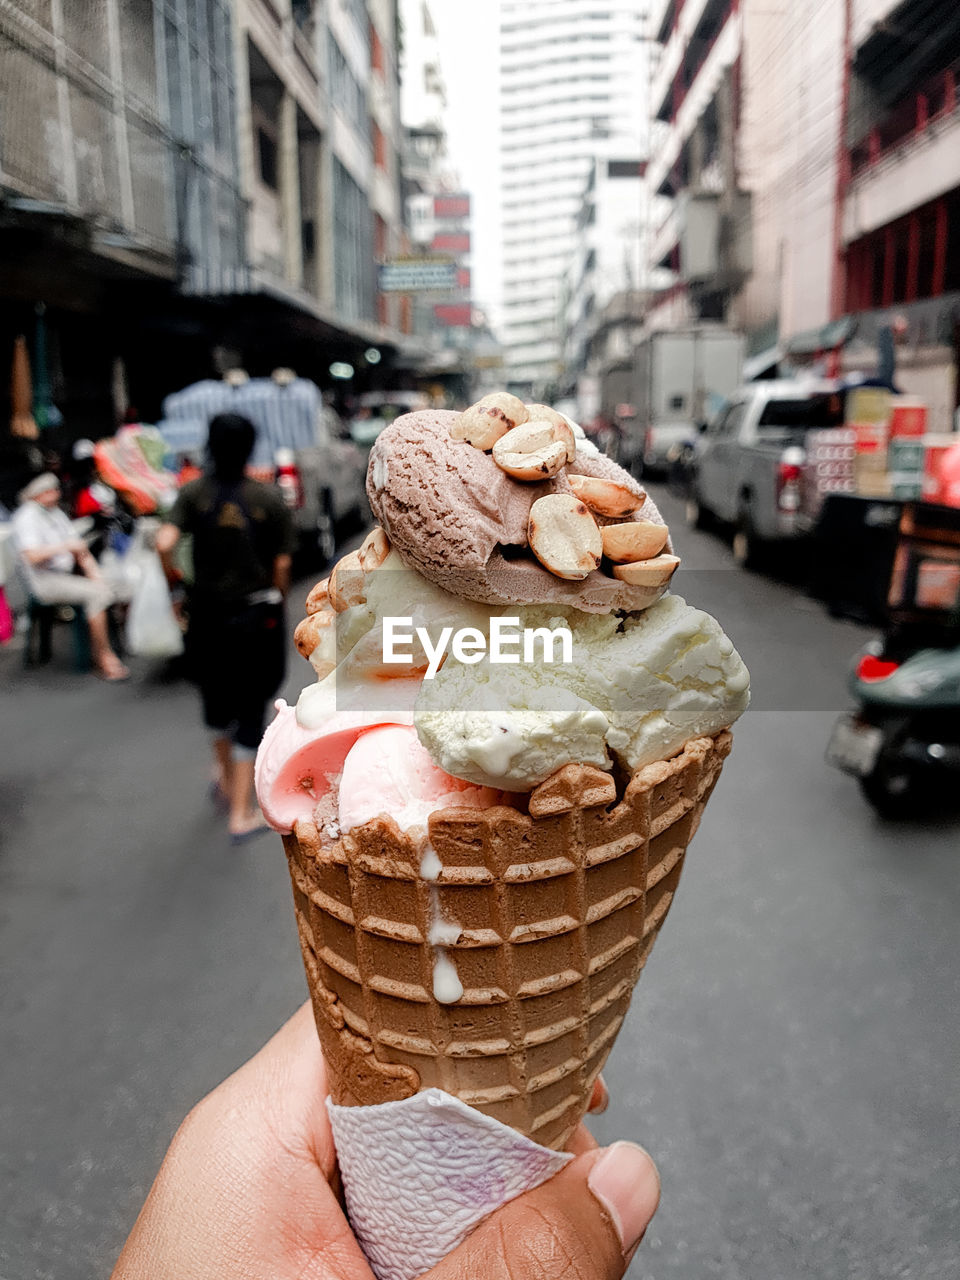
(420, 1174)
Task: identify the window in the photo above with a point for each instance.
(353, 248)
(811, 411)
(346, 91)
(267, 158)
(728, 423)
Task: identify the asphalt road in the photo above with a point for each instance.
(790, 1057)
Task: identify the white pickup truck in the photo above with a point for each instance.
(749, 462)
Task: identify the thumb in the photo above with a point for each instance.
(582, 1224)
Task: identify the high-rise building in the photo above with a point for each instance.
(573, 84)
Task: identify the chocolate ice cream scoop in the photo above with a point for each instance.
(457, 518)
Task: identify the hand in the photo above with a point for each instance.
(77, 547)
(249, 1186)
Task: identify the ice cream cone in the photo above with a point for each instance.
(547, 918)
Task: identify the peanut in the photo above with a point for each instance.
(485, 422)
(647, 573)
(373, 550)
(606, 497)
(635, 540)
(562, 428)
(316, 640)
(564, 536)
(346, 582)
(319, 597)
(531, 452)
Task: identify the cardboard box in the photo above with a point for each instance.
(938, 585)
(935, 448)
(908, 418)
(905, 459)
(830, 460)
(874, 484)
(872, 437)
(868, 405)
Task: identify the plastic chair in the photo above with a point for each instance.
(38, 649)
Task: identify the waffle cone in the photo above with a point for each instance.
(558, 910)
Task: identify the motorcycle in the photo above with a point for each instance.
(903, 742)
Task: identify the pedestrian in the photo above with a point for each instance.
(249, 1189)
(242, 539)
(58, 567)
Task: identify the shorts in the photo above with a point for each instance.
(238, 661)
(50, 587)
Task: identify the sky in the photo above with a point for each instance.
(468, 34)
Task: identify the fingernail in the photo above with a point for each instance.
(600, 1098)
(626, 1182)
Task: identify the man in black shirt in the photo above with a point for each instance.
(242, 545)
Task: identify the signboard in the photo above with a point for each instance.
(452, 206)
(451, 242)
(417, 275)
(455, 315)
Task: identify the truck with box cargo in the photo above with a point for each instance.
(683, 376)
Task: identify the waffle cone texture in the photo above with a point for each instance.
(558, 909)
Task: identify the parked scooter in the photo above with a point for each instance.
(903, 742)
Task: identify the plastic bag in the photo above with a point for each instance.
(152, 630)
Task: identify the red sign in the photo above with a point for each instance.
(455, 315)
(452, 206)
(463, 278)
(451, 242)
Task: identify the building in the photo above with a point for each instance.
(572, 84)
(807, 161)
(190, 187)
(603, 293)
(898, 211)
(319, 142)
(701, 211)
(118, 166)
(460, 348)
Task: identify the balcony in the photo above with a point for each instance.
(722, 54)
(921, 168)
(677, 42)
(665, 239)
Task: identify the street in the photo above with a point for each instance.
(790, 1055)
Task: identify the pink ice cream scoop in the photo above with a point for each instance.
(387, 771)
(295, 766)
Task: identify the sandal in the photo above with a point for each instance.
(113, 673)
(249, 833)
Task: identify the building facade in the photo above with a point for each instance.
(603, 293)
(572, 82)
(898, 213)
(189, 187)
(118, 165)
(808, 164)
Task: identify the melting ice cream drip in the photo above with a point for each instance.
(447, 987)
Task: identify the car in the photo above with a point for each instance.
(377, 409)
(748, 466)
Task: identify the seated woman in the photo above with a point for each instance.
(49, 553)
